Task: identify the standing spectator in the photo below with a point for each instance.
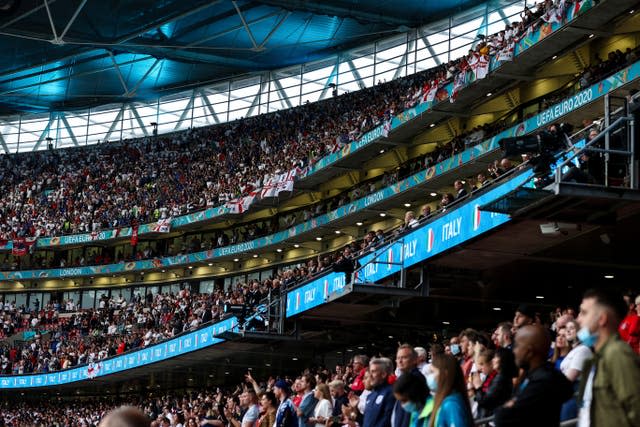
(451, 406)
(286, 414)
(561, 348)
(340, 399)
(504, 336)
(413, 395)
(407, 364)
(490, 388)
(359, 368)
(268, 408)
(323, 409)
(525, 315)
(610, 391)
(629, 328)
(461, 192)
(572, 366)
(308, 402)
(540, 394)
(380, 402)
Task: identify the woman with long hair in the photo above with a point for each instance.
(323, 409)
(451, 405)
(561, 347)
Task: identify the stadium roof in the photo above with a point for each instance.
(66, 54)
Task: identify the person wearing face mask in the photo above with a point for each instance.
(610, 387)
(450, 404)
(454, 347)
(540, 394)
(413, 395)
(571, 367)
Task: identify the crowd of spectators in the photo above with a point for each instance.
(512, 375)
(118, 184)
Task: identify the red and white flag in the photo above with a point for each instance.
(162, 226)
(480, 65)
(269, 188)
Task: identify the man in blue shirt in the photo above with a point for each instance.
(308, 402)
(286, 414)
(380, 401)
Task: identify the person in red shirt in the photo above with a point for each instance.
(360, 363)
(629, 328)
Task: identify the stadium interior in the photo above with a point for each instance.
(229, 147)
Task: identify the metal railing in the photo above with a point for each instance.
(488, 422)
(590, 148)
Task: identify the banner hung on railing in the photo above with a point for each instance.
(187, 343)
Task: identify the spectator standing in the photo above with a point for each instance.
(610, 391)
(413, 395)
(308, 402)
(339, 397)
(380, 402)
(323, 409)
(542, 391)
(407, 364)
(451, 406)
(629, 328)
(268, 409)
(572, 366)
(360, 362)
(493, 386)
(286, 414)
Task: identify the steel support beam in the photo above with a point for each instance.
(118, 72)
(427, 44)
(246, 26)
(205, 101)
(187, 109)
(356, 74)
(165, 20)
(282, 93)
(134, 111)
(73, 18)
(3, 144)
(264, 88)
(333, 9)
(405, 58)
(27, 13)
(330, 79)
(116, 120)
(53, 27)
(64, 121)
(45, 133)
(273, 30)
(132, 92)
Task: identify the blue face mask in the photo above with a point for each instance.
(455, 349)
(586, 337)
(432, 382)
(410, 407)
